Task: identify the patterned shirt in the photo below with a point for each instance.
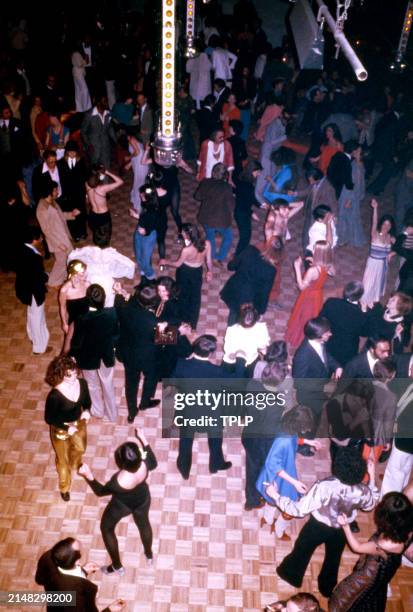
(330, 497)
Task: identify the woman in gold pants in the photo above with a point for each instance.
(67, 412)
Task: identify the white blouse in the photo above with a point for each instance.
(247, 339)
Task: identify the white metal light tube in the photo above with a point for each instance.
(359, 69)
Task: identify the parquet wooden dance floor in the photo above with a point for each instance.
(210, 555)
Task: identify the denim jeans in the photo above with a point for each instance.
(226, 233)
(246, 121)
(144, 246)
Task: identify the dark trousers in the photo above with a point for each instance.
(132, 377)
(101, 226)
(161, 234)
(184, 461)
(113, 513)
(388, 169)
(244, 230)
(314, 533)
(189, 281)
(256, 451)
(175, 203)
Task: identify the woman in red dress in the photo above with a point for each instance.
(230, 111)
(311, 285)
(332, 143)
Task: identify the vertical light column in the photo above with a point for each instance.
(190, 28)
(168, 142)
(168, 68)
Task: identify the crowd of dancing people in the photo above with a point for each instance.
(273, 143)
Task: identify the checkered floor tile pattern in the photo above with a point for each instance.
(210, 555)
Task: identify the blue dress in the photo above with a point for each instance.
(281, 180)
(349, 226)
(281, 456)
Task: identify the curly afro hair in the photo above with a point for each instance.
(349, 466)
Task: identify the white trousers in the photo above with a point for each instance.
(397, 473)
(102, 392)
(36, 327)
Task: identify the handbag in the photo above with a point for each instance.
(167, 337)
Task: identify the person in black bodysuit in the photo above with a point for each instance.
(130, 495)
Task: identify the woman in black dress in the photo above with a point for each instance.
(169, 318)
(72, 299)
(67, 412)
(195, 253)
(365, 589)
(130, 495)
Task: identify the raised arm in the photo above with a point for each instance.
(295, 208)
(304, 281)
(374, 220)
(117, 182)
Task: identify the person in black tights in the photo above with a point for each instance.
(130, 495)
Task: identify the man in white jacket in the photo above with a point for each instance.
(223, 61)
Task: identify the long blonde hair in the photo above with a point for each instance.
(322, 255)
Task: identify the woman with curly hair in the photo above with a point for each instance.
(67, 412)
(195, 254)
(365, 589)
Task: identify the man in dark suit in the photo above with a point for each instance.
(73, 175)
(312, 368)
(348, 322)
(31, 288)
(386, 140)
(59, 569)
(51, 95)
(339, 171)
(93, 346)
(10, 132)
(362, 365)
(145, 118)
(199, 367)
(98, 133)
(221, 93)
(11, 147)
(206, 118)
(136, 348)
